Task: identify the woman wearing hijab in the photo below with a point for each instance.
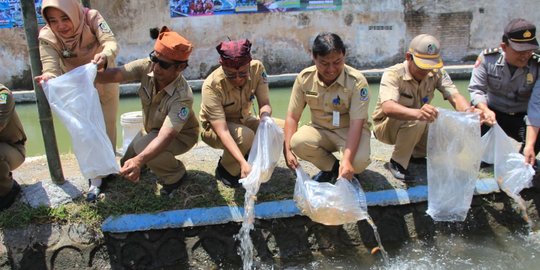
(75, 36)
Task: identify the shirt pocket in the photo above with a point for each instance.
(406, 99)
(495, 83)
(525, 91)
(159, 117)
(312, 101)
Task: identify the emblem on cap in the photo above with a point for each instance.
(431, 49)
(3, 98)
(527, 34)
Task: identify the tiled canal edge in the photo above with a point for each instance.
(267, 210)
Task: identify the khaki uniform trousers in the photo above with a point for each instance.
(409, 138)
(109, 98)
(242, 135)
(11, 157)
(316, 145)
(165, 165)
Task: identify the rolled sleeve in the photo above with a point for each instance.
(211, 103)
(389, 87)
(445, 85)
(297, 102)
(178, 114)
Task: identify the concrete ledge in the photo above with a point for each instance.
(267, 210)
(283, 80)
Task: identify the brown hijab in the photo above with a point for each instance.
(82, 45)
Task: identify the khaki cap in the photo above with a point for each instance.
(426, 50)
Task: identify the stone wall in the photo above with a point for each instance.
(376, 32)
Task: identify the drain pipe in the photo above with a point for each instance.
(45, 116)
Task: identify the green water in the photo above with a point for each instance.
(279, 98)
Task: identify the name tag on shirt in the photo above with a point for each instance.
(335, 118)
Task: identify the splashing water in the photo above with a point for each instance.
(378, 238)
(246, 245)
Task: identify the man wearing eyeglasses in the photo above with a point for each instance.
(403, 109)
(503, 80)
(228, 96)
(170, 125)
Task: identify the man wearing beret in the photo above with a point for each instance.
(503, 80)
(228, 96)
(338, 98)
(170, 126)
(12, 151)
(403, 112)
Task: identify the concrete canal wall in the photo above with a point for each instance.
(179, 243)
(376, 33)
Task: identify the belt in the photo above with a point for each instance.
(510, 113)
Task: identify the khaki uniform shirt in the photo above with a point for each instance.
(493, 83)
(348, 95)
(11, 129)
(398, 84)
(171, 107)
(221, 100)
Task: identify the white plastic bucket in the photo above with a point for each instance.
(132, 123)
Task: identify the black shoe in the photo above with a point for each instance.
(330, 176)
(225, 177)
(399, 172)
(485, 165)
(168, 189)
(7, 200)
(93, 193)
(418, 160)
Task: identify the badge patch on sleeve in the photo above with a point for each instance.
(364, 94)
(183, 113)
(3, 98)
(264, 77)
(104, 27)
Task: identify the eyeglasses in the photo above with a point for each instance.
(234, 75)
(165, 64)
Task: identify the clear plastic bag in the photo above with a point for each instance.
(518, 175)
(454, 152)
(264, 154)
(74, 99)
(330, 204)
(496, 145)
(511, 172)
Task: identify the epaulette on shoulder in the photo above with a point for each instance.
(491, 51)
(536, 56)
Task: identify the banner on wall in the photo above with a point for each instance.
(11, 13)
(190, 8)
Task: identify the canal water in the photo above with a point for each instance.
(279, 98)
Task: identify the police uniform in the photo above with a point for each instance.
(12, 139)
(347, 97)
(533, 108)
(220, 100)
(408, 136)
(170, 107)
(58, 59)
(506, 94)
